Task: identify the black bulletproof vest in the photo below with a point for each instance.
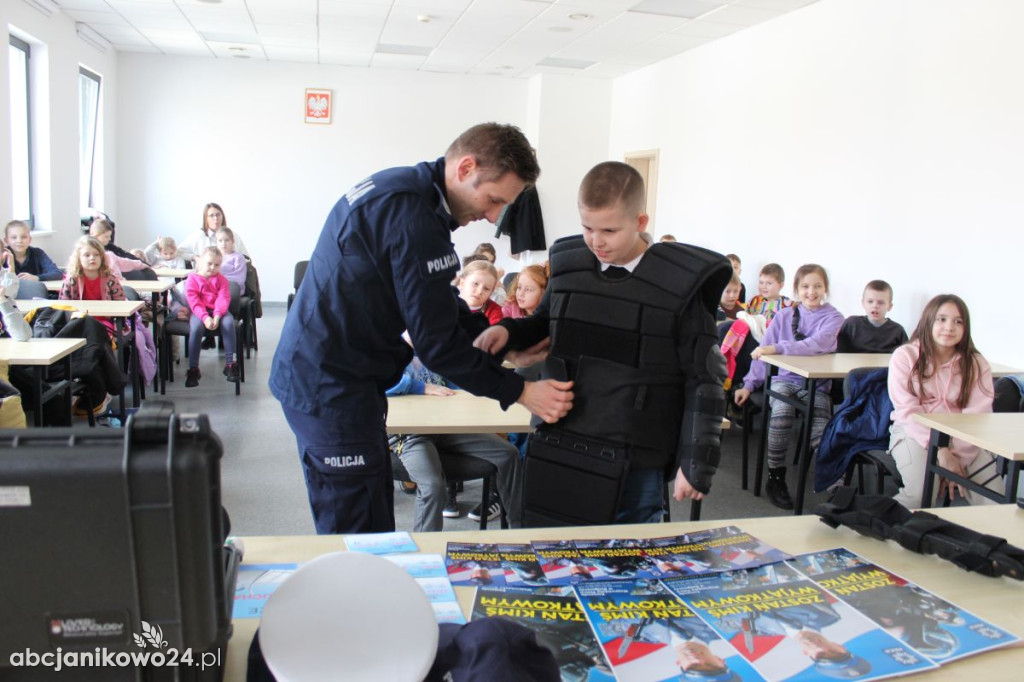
(618, 339)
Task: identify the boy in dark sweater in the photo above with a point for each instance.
(872, 333)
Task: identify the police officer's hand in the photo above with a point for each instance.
(683, 490)
(531, 356)
(492, 339)
(549, 399)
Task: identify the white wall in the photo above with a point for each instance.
(880, 138)
(57, 135)
(200, 130)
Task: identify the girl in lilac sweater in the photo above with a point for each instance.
(810, 328)
(939, 371)
(209, 296)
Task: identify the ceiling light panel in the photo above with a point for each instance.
(96, 19)
(687, 9)
(745, 16)
(625, 31)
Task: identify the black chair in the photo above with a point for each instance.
(176, 327)
(459, 469)
(143, 275)
(507, 280)
(300, 272)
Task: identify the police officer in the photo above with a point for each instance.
(382, 265)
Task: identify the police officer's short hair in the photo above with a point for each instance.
(613, 183)
(498, 149)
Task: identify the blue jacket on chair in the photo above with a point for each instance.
(861, 423)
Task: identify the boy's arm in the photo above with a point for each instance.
(844, 342)
(703, 367)
(525, 332)
(48, 270)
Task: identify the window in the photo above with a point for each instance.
(21, 132)
(88, 125)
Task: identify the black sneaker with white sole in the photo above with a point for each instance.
(493, 510)
(451, 507)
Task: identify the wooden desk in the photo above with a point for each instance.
(176, 273)
(812, 368)
(459, 413)
(143, 286)
(987, 597)
(1001, 434)
(40, 354)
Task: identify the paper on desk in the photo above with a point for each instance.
(381, 543)
(256, 582)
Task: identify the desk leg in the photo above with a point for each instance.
(133, 365)
(67, 389)
(804, 448)
(936, 441)
(1011, 484)
(38, 419)
(762, 446)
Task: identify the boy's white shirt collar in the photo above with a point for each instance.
(631, 265)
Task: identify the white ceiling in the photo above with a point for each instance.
(511, 38)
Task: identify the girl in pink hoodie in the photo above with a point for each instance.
(209, 296)
(939, 371)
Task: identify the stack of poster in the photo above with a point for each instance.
(429, 573)
(485, 564)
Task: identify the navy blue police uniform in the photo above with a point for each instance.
(383, 264)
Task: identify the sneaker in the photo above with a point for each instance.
(192, 377)
(493, 510)
(451, 508)
(408, 487)
(778, 492)
(231, 371)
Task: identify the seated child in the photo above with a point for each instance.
(421, 455)
(525, 292)
(873, 332)
(810, 328)
(234, 266)
(737, 267)
(166, 255)
(743, 336)
(486, 249)
(938, 372)
(209, 295)
(730, 304)
(89, 278)
(475, 283)
(119, 260)
(27, 261)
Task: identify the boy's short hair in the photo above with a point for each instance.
(734, 258)
(879, 285)
(613, 183)
(667, 238)
(498, 149)
(15, 223)
(735, 280)
(166, 243)
(478, 265)
(101, 226)
(775, 271)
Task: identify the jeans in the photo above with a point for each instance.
(196, 332)
(643, 499)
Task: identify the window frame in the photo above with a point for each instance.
(91, 75)
(26, 47)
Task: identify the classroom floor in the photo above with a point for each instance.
(263, 488)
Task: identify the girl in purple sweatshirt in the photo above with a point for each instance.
(209, 296)
(810, 328)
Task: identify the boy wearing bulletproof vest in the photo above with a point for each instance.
(633, 325)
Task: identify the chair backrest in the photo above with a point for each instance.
(143, 275)
(130, 293)
(236, 297)
(1009, 397)
(31, 289)
(300, 272)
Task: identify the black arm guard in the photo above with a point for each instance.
(700, 442)
(883, 518)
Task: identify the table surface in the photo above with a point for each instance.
(999, 433)
(173, 272)
(100, 308)
(988, 598)
(143, 286)
(37, 351)
(459, 413)
(838, 365)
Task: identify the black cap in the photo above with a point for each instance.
(495, 649)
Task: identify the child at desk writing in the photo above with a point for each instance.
(810, 328)
(89, 278)
(209, 295)
(939, 371)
